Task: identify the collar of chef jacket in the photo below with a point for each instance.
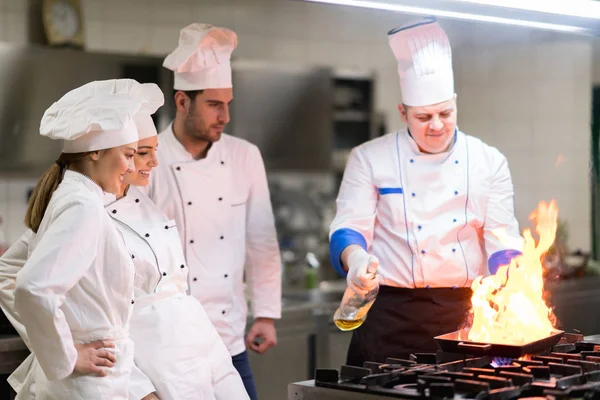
(74, 176)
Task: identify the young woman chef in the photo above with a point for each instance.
(177, 347)
(74, 293)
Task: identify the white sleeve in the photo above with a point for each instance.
(11, 263)
(263, 260)
(65, 252)
(501, 229)
(356, 208)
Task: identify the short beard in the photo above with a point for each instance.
(191, 127)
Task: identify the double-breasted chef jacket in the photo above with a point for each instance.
(222, 208)
(433, 221)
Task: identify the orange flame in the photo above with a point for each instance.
(509, 307)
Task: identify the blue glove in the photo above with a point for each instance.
(500, 258)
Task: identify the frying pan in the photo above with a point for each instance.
(450, 342)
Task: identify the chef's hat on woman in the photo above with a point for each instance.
(89, 121)
(202, 60)
(103, 114)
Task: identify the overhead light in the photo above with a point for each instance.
(386, 6)
(574, 8)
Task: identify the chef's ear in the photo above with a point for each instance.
(403, 112)
(182, 101)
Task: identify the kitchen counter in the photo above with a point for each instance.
(306, 390)
(307, 339)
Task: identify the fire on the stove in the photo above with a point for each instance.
(509, 307)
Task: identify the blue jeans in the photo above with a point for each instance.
(242, 364)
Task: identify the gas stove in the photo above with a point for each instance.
(570, 369)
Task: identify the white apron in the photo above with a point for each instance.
(177, 347)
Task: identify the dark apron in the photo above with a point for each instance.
(403, 321)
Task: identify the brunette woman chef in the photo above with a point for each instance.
(74, 293)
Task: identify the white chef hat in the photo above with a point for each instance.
(90, 123)
(152, 99)
(149, 94)
(424, 58)
(203, 58)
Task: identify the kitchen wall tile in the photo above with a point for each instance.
(3, 37)
(15, 6)
(255, 47)
(473, 66)
(94, 10)
(579, 237)
(288, 20)
(553, 98)
(94, 35)
(15, 27)
(164, 39)
(252, 19)
(216, 12)
(289, 50)
(553, 135)
(509, 99)
(132, 38)
(473, 102)
(522, 168)
(508, 134)
(127, 13)
(176, 12)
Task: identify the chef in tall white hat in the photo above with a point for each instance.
(74, 294)
(214, 186)
(421, 206)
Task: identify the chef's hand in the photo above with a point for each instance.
(151, 396)
(262, 335)
(362, 269)
(92, 356)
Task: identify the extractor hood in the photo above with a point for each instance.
(570, 16)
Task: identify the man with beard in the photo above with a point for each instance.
(214, 187)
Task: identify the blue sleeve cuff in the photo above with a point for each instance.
(500, 258)
(341, 239)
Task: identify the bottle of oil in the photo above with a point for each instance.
(355, 305)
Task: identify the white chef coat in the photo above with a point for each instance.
(177, 347)
(431, 219)
(223, 212)
(76, 287)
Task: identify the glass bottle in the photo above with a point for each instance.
(355, 305)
